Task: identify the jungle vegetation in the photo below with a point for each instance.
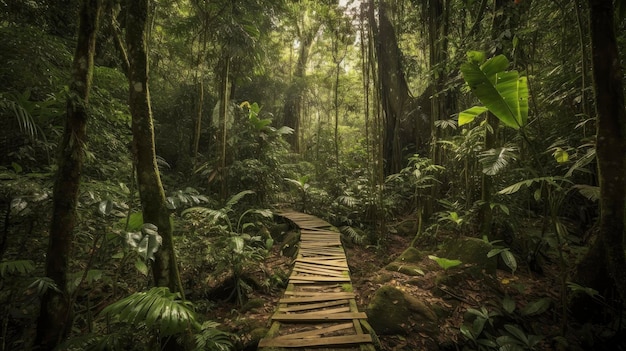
(145, 143)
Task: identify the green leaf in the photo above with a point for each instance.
(141, 267)
(536, 307)
(560, 155)
(18, 267)
(509, 260)
(470, 114)
(504, 93)
(508, 304)
(477, 57)
(444, 262)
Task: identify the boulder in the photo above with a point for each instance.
(392, 311)
(470, 251)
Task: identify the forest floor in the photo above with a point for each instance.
(367, 266)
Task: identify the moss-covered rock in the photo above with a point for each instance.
(411, 255)
(253, 304)
(392, 311)
(471, 251)
(406, 263)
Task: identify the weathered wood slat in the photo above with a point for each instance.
(325, 272)
(327, 341)
(318, 317)
(321, 297)
(312, 306)
(315, 332)
(319, 278)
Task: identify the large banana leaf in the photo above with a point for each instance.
(504, 93)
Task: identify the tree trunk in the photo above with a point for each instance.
(164, 268)
(223, 125)
(293, 100)
(610, 151)
(55, 317)
(401, 127)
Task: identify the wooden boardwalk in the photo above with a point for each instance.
(318, 310)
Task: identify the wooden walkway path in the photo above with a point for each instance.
(318, 310)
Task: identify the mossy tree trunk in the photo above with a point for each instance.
(394, 90)
(610, 151)
(295, 93)
(55, 317)
(164, 268)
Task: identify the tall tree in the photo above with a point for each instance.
(164, 268)
(606, 257)
(401, 128)
(55, 317)
(307, 26)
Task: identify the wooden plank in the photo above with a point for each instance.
(329, 273)
(317, 260)
(318, 317)
(330, 311)
(310, 342)
(312, 306)
(319, 298)
(318, 278)
(315, 332)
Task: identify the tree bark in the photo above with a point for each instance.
(55, 317)
(164, 268)
(610, 149)
(402, 128)
(293, 100)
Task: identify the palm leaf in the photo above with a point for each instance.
(157, 308)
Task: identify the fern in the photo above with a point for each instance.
(158, 309)
(352, 234)
(19, 267)
(495, 160)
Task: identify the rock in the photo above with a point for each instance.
(472, 251)
(406, 263)
(391, 311)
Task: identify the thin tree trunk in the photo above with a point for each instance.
(151, 193)
(55, 317)
(223, 113)
(611, 140)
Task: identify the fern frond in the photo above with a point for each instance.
(587, 158)
(19, 267)
(235, 199)
(495, 160)
(347, 200)
(352, 234)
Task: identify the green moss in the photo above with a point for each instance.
(391, 311)
(470, 251)
(411, 254)
(405, 268)
(252, 304)
(347, 287)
